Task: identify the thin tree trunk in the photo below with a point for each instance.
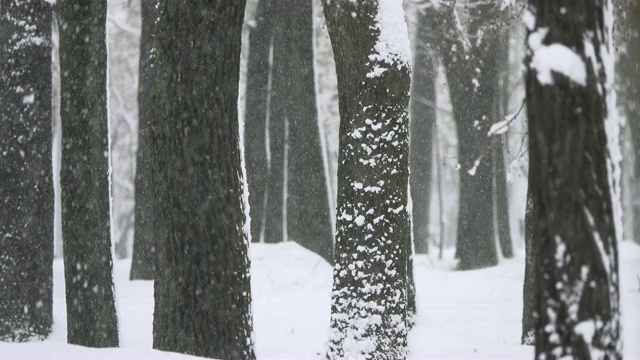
(369, 298)
(577, 266)
(26, 189)
(307, 200)
(501, 57)
(259, 74)
(529, 295)
(202, 289)
(422, 114)
(91, 313)
(143, 262)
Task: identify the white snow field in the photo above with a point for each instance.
(461, 315)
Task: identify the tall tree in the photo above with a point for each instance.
(422, 113)
(259, 73)
(143, 263)
(202, 290)
(284, 156)
(575, 240)
(471, 67)
(26, 190)
(91, 313)
(308, 213)
(369, 298)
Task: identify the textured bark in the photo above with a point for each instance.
(471, 71)
(91, 313)
(577, 266)
(143, 262)
(202, 289)
(369, 298)
(308, 212)
(26, 190)
(422, 114)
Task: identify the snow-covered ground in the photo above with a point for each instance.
(462, 315)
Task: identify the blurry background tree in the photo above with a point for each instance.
(143, 255)
(285, 165)
(84, 175)
(26, 182)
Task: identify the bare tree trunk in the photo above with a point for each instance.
(143, 262)
(202, 288)
(26, 189)
(91, 313)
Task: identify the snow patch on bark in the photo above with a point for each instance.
(556, 58)
(393, 47)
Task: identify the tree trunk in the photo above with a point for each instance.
(259, 74)
(422, 114)
(143, 262)
(91, 313)
(26, 189)
(472, 77)
(202, 289)
(500, 191)
(308, 212)
(577, 266)
(369, 301)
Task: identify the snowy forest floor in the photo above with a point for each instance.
(461, 315)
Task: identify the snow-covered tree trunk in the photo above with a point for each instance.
(202, 288)
(91, 313)
(26, 189)
(569, 81)
(369, 299)
(143, 262)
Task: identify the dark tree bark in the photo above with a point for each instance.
(308, 212)
(259, 75)
(369, 301)
(422, 114)
(26, 190)
(202, 290)
(143, 262)
(91, 313)
(471, 71)
(577, 267)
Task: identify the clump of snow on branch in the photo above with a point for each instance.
(393, 47)
(556, 58)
